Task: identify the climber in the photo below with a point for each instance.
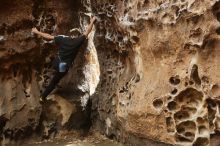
(68, 48)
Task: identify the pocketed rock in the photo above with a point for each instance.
(157, 65)
(25, 70)
(159, 69)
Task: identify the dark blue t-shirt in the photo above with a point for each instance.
(68, 47)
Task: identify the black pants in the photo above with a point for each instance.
(55, 80)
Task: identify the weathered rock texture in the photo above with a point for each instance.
(26, 68)
(158, 61)
(159, 71)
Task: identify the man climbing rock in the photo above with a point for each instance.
(68, 49)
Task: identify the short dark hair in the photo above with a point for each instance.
(75, 32)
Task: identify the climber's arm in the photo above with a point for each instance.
(89, 28)
(44, 35)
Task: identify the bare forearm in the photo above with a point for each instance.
(45, 35)
(89, 27)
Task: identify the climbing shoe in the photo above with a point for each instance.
(42, 99)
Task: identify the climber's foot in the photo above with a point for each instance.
(42, 99)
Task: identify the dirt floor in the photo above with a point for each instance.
(92, 139)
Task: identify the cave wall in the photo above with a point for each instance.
(26, 69)
(157, 61)
(159, 71)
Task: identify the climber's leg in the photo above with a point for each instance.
(58, 75)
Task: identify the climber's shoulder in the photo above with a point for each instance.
(60, 38)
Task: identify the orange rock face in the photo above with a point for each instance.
(25, 69)
(155, 63)
(161, 81)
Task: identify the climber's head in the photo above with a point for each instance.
(75, 32)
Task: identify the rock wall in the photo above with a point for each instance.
(26, 69)
(157, 61)
(159, 64)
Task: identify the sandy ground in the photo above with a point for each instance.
(92, 139)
